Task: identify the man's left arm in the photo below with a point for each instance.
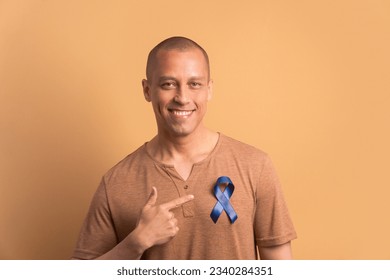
(278, 252)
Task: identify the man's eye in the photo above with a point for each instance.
(195, 84)
(168, 85)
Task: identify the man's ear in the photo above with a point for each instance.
(210, 90)
(146, 90)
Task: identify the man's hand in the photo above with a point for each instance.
(157, 224)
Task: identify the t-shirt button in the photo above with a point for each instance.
(186, 187)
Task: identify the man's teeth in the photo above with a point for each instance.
(181, 113)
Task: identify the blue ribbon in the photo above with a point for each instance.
(223, 198)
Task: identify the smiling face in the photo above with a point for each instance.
(179, 89)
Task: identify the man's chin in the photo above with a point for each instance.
(181, 131)
(177, 130)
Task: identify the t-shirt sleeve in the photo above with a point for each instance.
(273, 225)
(98, 234)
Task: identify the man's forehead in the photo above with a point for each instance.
(190, 58)
(185, 58)
(163, 78)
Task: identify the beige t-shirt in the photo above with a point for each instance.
(263, 218)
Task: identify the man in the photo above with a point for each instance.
(189, 193)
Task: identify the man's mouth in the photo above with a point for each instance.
(181, 113)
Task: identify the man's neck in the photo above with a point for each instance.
(191, 148)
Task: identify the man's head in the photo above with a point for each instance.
(173, 43)
(178, 85)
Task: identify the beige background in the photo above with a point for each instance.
(306, 81)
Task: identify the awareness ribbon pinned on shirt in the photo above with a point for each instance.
(223, 202)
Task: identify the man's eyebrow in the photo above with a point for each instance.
(164, 78)
(197, 78)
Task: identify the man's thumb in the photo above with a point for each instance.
(152, 198)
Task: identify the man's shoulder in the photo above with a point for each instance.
(236, 146)
(242, 156)
(129, 164)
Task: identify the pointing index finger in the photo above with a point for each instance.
(177, 202)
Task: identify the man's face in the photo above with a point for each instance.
(179, 89)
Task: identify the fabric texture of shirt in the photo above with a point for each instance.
(263, 217)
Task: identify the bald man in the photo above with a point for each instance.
(188, 193)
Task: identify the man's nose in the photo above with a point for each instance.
(182, 95)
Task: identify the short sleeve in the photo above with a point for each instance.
(273, 225)
(97, 234)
